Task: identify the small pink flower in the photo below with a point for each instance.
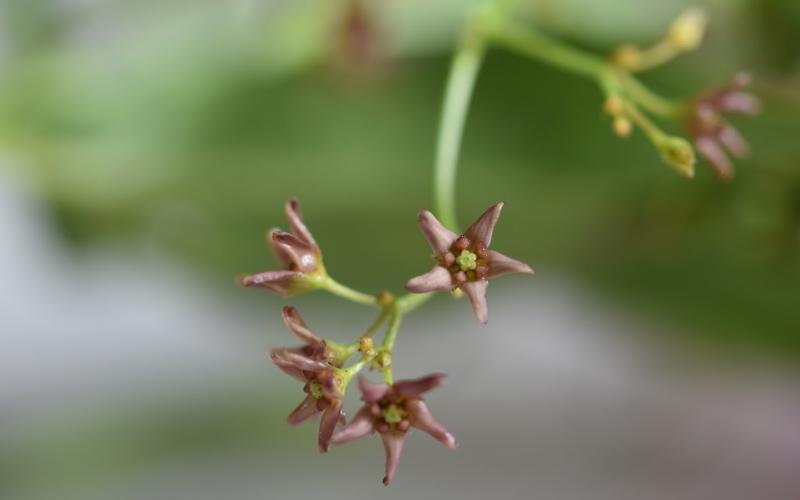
(315, 364)
(712, 134)
(297, 252)
(392, 411)
(464, 262)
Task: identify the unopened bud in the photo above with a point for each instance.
(627, 56)
(456, 293)
(384, 298)
(366, 346)
(622, 126)
(686, 32)
(383, 361)
(678, 154)
(613, 105)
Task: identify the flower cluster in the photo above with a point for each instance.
(464, 263)
(711, 135)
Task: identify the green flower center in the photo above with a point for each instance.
(316, 389)
(393, 414)
(467, 260)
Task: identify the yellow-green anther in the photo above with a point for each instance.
(316, 389)
(393, 414)
(467, 260)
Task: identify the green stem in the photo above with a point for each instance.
(460, 84)
(549, 50)
(388, 342)
(648, 99)
(338, 289)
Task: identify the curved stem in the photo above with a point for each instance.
(648, 99)
(336, 288)
(549, 50)
(460, 83)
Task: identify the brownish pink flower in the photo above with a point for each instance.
(392, 411)
(711, 133)
(297, 252)
(315, 364)
(464, 262)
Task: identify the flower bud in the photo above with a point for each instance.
(678, 154)
(612, 105)
(622, 126)
(627, 57)
(686, 32)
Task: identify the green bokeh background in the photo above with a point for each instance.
(185, 125)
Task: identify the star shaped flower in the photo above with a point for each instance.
(464, 262)
(297, 252)
(712, 134)
(392, 410)
(315, 364)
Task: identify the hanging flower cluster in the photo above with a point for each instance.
(463, 261)
(392, 409)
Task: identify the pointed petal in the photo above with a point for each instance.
(330, 417)
(296, 324)
(482, 229)
(306, 410)
(288, 367)
(500, 264)
(422, 419)
(439, 237)
(280, 282)
(371, 392)
(740, 102)
(297, 224)
(476, 293)
(287, 357)
(284, 259)
(716, 157)
(416, 387)
(436, 280)
(731, 139)
(361, 425)
(302, 255)
(393, 446)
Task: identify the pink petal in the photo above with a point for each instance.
(439, 237)
(731, 139)
(299, 228)
(416, 387)
(740, 102)
(302, 255)
(280, 282)
(482, 229)
(296, 324)
(361, 425)
(393, 446)
(715, 156)
(476, 293)
(422, 419)
(371, 392)
(288, 367)
(330, 417)
(306, 410)
(284, 259)
(500, 264)
(297, 360)
(436, 280)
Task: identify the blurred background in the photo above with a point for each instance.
(146, 146)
